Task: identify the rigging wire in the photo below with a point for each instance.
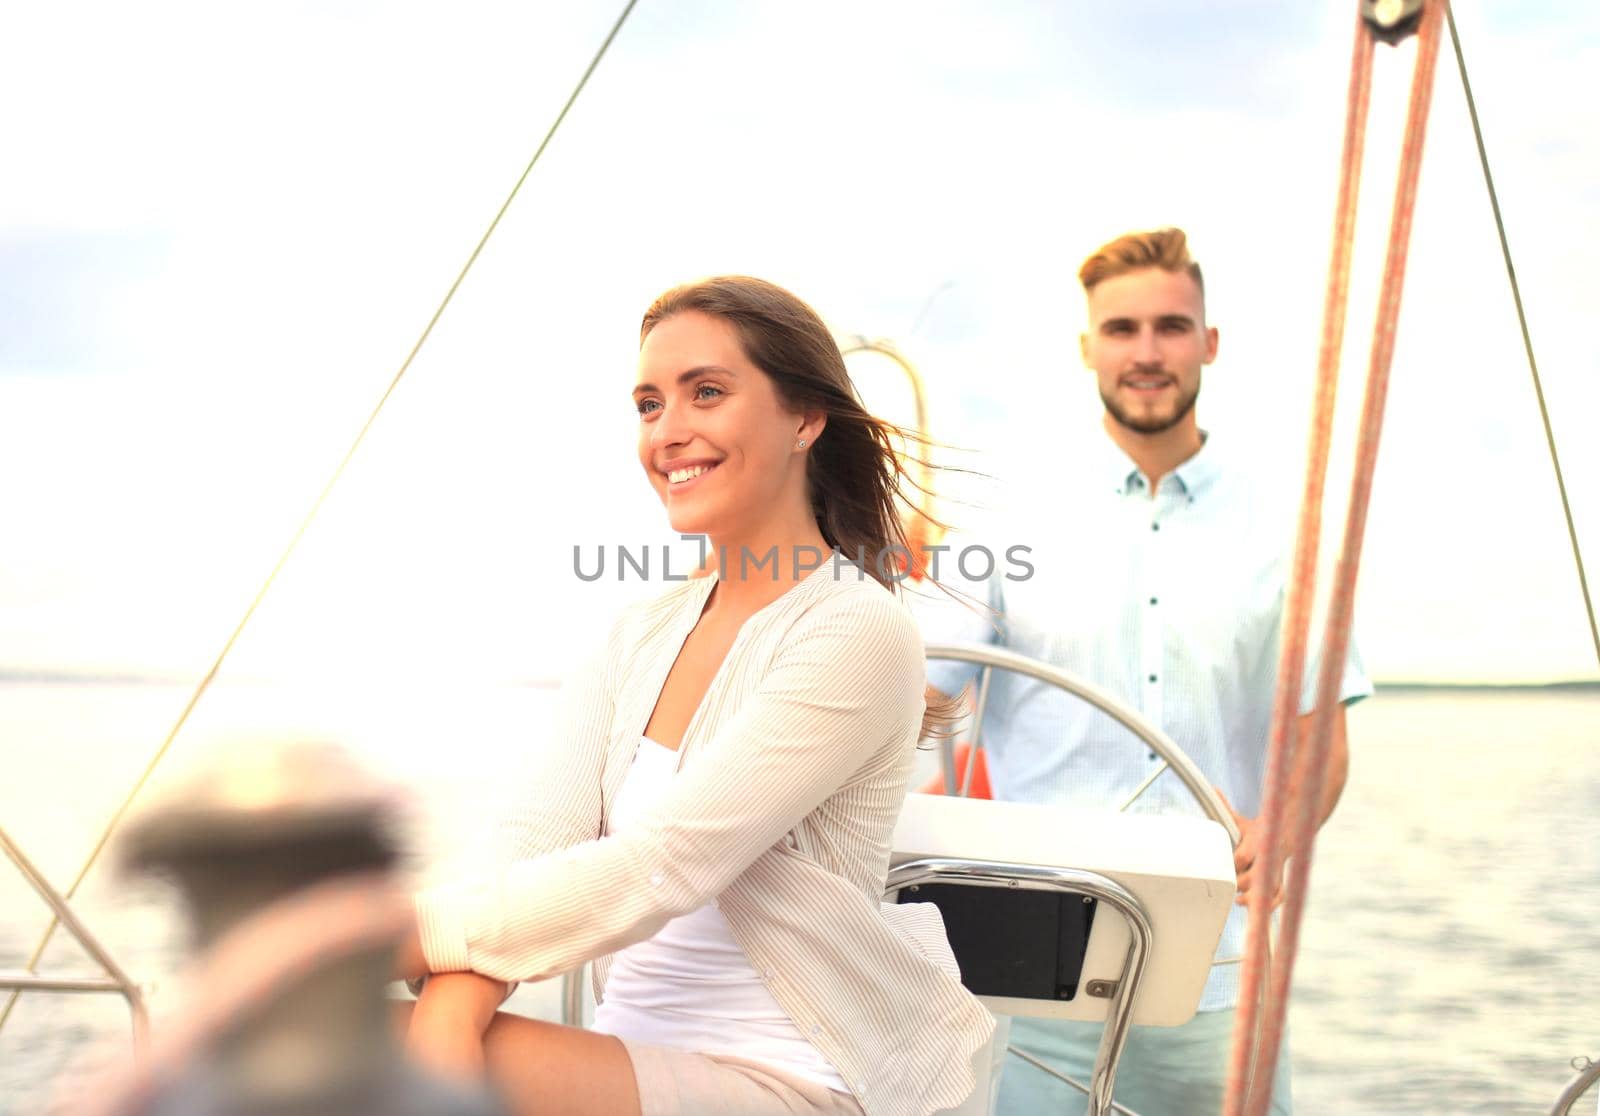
(316, 507)
(1527, 338)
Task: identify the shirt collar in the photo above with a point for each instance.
(1115, 466)
(1194, 475)
(1198, 473)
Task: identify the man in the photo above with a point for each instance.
(1158, 577)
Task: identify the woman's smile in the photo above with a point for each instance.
(682, 477)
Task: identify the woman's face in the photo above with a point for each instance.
(715, 439)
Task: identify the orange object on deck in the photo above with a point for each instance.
(980, 774)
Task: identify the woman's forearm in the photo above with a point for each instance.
(447, 1028)
(469, 999)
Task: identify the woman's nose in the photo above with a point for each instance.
(670, 427)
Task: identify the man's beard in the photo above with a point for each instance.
(1151, 424)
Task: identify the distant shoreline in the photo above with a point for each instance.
(1573, 686)
(87, 678)
(69, 677)
(76, 678)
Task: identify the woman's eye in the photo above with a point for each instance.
(707, 391)
(648, 406)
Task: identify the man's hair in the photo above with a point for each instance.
(1167, 249)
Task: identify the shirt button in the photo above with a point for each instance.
(655, 879)
(766, 974)
(1152, 600)
(1155, 526)
(1152, 755)
(816, 1028)
(1152, 678)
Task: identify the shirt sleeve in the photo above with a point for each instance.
(847, 681)
(1354, 685)
(563, 779)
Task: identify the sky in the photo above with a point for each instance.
(223, 227)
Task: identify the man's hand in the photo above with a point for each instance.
(1245, 855)
(1249, 850)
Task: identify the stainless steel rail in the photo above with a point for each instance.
(115, 980)
(23, 980)
(572, 996)
(1588, 1073)
(1173, 757)
(1119, 1014)
(1044, 1067)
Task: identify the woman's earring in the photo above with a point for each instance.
(801, 444)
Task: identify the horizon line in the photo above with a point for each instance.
(55, 675)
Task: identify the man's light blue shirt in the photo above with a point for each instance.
(1171, 604)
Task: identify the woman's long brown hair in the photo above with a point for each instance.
(857, 480)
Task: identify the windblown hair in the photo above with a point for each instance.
(1167, 249)
(856, 479)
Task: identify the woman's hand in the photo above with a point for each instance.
(448, 1024)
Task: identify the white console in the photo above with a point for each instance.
(1178, 869)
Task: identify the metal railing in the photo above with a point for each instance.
(1075, 881)
(1588, 1072)
(114, 980)
(1173, 758)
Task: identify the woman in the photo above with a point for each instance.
(712, 825)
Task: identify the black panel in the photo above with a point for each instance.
(1012, 941)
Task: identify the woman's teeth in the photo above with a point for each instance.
(678, 476)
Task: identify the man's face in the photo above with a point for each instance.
(1147, 342)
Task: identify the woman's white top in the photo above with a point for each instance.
(691, 987)
(790, 777)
